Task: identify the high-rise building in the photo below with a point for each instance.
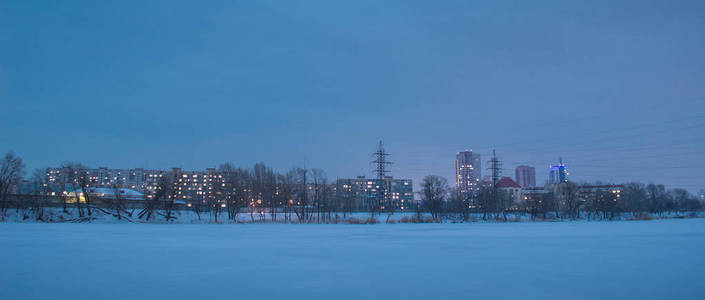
(468, 171)
(525, 176)
(558, 173)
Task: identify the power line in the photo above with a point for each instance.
(617, 138)
(533, 140)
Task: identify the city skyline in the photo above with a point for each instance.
(542, 175)
(327, 149)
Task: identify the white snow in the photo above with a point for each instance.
(564, 260)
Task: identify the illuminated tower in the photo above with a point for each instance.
(558, 173)
(468, 171)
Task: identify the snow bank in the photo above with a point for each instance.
(102, 216)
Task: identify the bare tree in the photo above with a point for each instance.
(348, 202)
(264, 188)
(537, 204)
(683, 200)
(657, 198)
(83, 181)
(242, 191)
(374, 205)
(11, 173)
(390, 204)
(486, 200)
(607, 204)
(328, 201)
(434, 190)
(151, 204)
(302, 192)
(689, 203)
(320, 193)
(275, 203)
(567, 193)
(214, 196)
(633, 198)
(60, 188)
(460, 204)
(39, 192)
(287, 193)
(78, 179)
(71, 173)
(117, 201)
(167, 192)
(236, 188)
(504, 202)
(200, 204)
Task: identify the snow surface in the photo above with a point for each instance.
(564, 260)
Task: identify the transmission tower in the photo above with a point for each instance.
(495, 167)
(381, 162)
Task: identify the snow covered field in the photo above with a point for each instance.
(567, 260)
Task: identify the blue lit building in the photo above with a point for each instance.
(558, 173)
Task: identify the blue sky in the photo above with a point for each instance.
(615, 88)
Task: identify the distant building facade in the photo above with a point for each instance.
(525, 176)
(189, 186)
(374, 193)
(138, 178)
(541, 200)
(468, 172)
(196, 186)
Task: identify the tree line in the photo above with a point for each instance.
(299, 194)
(565, 200)
(307, 196)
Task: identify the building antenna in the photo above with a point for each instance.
(381, 162)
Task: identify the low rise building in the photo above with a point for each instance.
(510, 187)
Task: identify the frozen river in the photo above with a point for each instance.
(569, 260)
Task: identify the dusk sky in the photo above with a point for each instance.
(615, 88)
